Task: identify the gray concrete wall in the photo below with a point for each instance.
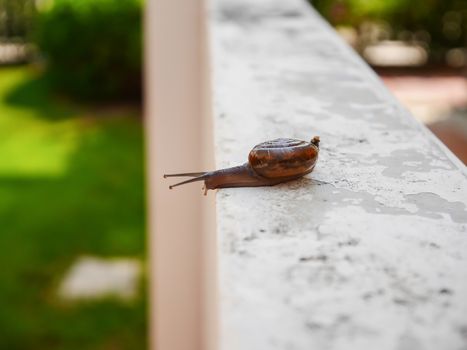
(369, 251)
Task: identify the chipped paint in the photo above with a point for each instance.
(369, 250)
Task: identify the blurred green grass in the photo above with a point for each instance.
(71, 183)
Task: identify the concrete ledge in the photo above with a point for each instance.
(367, 252)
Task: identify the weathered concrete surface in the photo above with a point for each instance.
(367, 252)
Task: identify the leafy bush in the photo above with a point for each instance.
(439, 24)
(93, 47)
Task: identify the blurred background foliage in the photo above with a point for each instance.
(16, 18)
(90, 49)
(71, 169)
(438, 25)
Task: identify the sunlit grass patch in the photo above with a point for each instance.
(71, 183)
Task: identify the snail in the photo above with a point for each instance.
(269, 163)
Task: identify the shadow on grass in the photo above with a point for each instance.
(95, 207)
(35, 93)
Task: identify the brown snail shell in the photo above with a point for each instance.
(269, 163)
(283, 157)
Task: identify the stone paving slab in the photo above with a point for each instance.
(93, 278)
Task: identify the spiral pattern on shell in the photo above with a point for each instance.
(283, 158)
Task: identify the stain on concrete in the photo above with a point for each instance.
(432, 205)
(413, 160)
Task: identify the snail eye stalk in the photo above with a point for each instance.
(315, 141)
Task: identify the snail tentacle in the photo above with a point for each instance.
(197, 178)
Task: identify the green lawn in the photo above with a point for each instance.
(71, 183)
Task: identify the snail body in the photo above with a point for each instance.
(269, 163)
